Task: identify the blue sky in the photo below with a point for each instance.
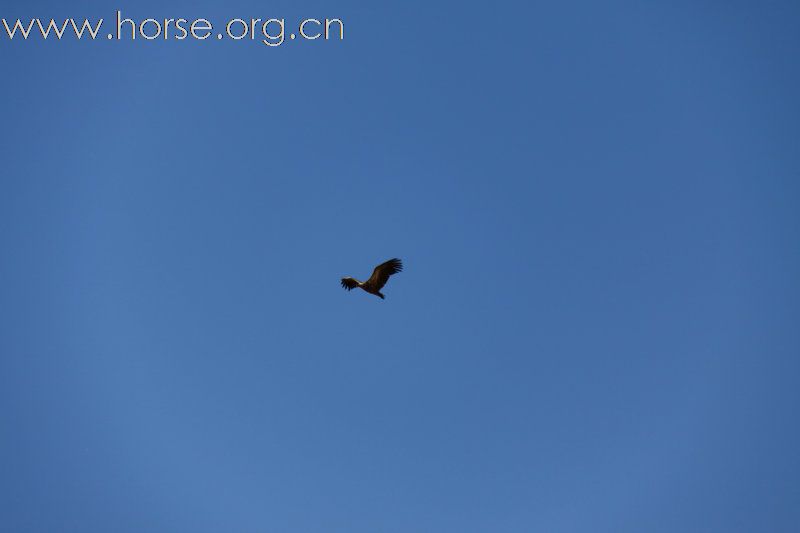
(596, 329)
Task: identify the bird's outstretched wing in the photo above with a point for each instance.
(349, 283)
(382, 272)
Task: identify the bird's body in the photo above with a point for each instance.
(378, 278)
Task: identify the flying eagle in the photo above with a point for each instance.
(378, 278)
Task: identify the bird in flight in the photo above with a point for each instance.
(378, 278)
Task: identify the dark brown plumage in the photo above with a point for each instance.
(378, 278)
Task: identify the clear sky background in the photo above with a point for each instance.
(596, 329)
